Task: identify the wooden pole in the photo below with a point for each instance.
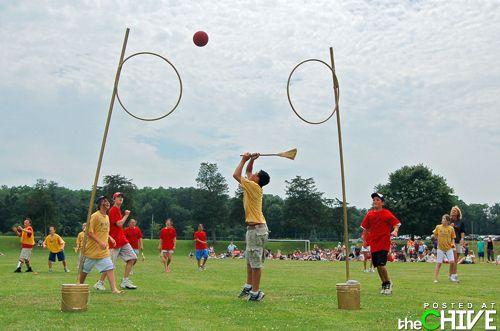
(101, 154)
(341, 152)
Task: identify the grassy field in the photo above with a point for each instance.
(299, 295)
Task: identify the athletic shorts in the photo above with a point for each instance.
(101, 265)
(167, 251)
(126, 253)
(60, 256)
(442, 254)
(25, 254)
(256, 238)
(201, 253)
(480, 254)
(379, 258)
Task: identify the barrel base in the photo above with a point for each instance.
(349, 295)
(74, 297)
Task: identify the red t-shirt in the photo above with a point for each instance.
(115, 231)
(167, 236)
(379, 225)
(203, 237)
(133, 235)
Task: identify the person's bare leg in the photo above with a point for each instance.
(453, 267)
(64, 264)
(82, 277)
(256, 273)
(249, 274)
(103, 277)
(128, 267)
(436, 271)
(112, 283)
(199, 263)
(382, 272)
(164, 261)
(50, 265)
(364, 264)
(204, 262)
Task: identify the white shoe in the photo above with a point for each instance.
(127, 283)
(66, 270)
(365, 271)
(435, 281)
(99, 286)
(388, 290)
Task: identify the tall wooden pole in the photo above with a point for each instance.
(101, 154)
(341, 152)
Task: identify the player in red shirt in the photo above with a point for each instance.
(167, 243)
(378, 223)
(122, 247)
(200, 244)
(134, 237)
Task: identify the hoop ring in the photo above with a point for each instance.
(180, 90)
(335, 88)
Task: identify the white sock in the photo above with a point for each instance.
(254, 293)
(19, 264)
(247, 286)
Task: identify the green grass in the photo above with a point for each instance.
(300, 295)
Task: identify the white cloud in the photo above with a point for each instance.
(418, 80)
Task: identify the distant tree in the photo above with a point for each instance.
(304, 208)
(417, 197)
(212, 197)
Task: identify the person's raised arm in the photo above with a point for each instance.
(239, 168)
(124, 219)
(249, 169)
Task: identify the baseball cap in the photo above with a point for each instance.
(378, 195)
(117, 194)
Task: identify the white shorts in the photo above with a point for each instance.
(102, 265)
(25, 254)
(442, 254)
(126, 253)
(167, 252)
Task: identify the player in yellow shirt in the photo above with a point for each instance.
(96, 251)
(445, 235)
(79, 244)
(257, 232)
(55, 245)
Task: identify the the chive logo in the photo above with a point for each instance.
(453, 316)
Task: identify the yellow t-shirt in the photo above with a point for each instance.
(252, 201)
(54, 243)
(79, 240)
(98, 225)
(445, 236)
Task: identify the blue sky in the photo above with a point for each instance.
(419, 83)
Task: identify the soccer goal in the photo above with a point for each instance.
(307, 243)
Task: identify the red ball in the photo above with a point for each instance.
(200, 38)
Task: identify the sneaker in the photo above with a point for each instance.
(29, 270)
(50, 270)
(99, 286)
(18, 270)
(388, 289)
(382, 289)
(454, 278)
(257, 297)
(245, 292)
(436, 281)
(127, 283)
(204, 267)
(365, 271)
(372, 270)
(66, 270)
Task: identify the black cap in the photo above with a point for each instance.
(99, 199)
(378, 195)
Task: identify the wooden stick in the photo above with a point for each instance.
(101, 154)
(341, 152)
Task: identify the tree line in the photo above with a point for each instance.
(416, 196)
